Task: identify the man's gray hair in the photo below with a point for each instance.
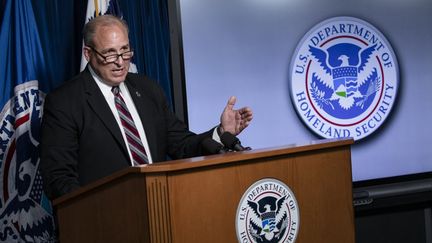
(90, 28)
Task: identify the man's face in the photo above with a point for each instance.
(109, 40)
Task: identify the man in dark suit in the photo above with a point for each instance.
(84, 135)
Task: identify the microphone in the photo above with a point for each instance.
(232, 142)
(210, 146)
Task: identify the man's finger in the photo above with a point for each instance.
(231, 102)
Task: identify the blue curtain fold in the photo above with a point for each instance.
(59, 24)
(149, 36)
(2, 8)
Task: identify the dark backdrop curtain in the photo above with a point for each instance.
(60, 24)
(149, 36)
(2, 7)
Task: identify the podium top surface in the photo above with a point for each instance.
(201, 161)
(212, 160)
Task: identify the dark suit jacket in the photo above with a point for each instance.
(81, 140)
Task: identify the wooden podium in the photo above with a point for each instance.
(196, 200)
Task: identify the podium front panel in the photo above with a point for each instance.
(203, 201)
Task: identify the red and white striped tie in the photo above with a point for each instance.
(136, 147)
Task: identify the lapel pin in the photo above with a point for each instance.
(138, 94)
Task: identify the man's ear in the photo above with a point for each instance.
(86, 51)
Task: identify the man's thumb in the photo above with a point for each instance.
(231, 102)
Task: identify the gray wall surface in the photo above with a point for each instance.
(244, 48)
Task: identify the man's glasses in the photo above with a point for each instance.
(114, 57)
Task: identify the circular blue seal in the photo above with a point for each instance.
(268, 212)
(344, 78)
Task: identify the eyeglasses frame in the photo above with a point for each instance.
(112, 55)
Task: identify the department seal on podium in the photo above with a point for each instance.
(267, 212)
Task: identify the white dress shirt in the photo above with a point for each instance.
(109, 97)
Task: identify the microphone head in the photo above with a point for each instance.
(229, 140)
(210, 146)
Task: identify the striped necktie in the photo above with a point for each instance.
(136, 147)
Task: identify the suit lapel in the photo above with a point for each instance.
(98, 104)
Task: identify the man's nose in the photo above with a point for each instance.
(119, 60)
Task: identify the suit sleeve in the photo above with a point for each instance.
(58, 149)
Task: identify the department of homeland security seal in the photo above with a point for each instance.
(267, 212)
(25, 211)
(344, 78)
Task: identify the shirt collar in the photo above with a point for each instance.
(103, 85)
